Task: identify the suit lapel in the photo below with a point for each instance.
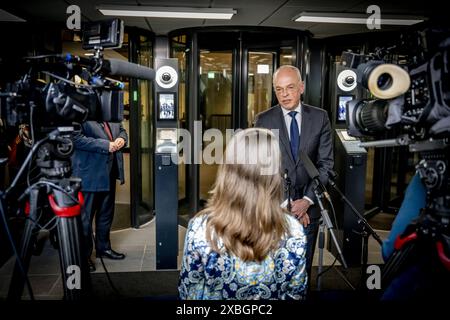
(284, 137)
(305, 129)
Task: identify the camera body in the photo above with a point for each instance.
(76, 89)
(409, 86)
(412, 94)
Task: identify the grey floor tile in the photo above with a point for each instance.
(149, 264)
(126, 248)
(132, 262)
(4, 285)
(8, 267)
(41, 284)
(45, 264)
(57, 289)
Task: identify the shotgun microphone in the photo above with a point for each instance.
(313, 173)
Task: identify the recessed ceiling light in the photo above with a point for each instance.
(167, 12)
(354, 18)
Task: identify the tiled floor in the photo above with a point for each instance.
(139, 247)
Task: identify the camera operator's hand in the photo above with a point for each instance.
(120, 143)
(113, 147)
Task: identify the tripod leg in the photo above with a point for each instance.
(364, 259)
(26, 246)
(321, 245)
(74, 268)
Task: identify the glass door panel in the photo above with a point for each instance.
(215, 101)
(259, 83)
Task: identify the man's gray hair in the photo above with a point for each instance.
(286, 66)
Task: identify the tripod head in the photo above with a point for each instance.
(53, 158)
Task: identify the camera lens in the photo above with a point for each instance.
(166, 77)
(349, 81)
(384, 81)
(346, 80)
(371, 116)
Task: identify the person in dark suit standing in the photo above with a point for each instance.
(98, 161)
(301, 128)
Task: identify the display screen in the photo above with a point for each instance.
(341, 108)
(166, 106)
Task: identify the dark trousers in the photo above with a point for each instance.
(101, 206)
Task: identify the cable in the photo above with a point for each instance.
(334, 212)
(51, 184)
(343, 276)
(25, 163)
(107, 273)
(13, 247)
(327, 269)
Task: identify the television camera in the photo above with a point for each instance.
(76, 89)
(410, 88)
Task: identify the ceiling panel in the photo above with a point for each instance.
(275, 13)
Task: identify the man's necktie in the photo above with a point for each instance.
(295, 137)
(108, 130)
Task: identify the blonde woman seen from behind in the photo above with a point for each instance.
(243, 245)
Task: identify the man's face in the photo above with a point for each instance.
(288, 89)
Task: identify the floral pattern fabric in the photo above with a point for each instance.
(208, 275)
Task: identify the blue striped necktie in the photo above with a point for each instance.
(295, 136)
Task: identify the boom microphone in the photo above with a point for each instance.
(128, 69)
(312, 172)
(114, 67)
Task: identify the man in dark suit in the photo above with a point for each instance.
(301, 128)
(98, 161)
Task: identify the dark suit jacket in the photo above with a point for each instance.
(315, 141)
(91, 160)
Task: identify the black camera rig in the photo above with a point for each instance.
(76, 89)
(410, 84)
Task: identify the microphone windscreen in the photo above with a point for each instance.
(311, 170)
(128, 69)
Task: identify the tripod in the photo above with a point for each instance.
(420, 265)
(55, 196)
(366, 229)
(325, 222)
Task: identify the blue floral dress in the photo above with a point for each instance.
(208, 275)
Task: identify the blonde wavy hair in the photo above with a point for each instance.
(244, 208)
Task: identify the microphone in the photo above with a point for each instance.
(313, 173)
(128, 69)
(114, 67)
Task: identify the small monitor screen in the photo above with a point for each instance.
(340, 117)
(166, 104)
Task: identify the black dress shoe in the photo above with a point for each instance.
(111, 254)
(91, 265)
